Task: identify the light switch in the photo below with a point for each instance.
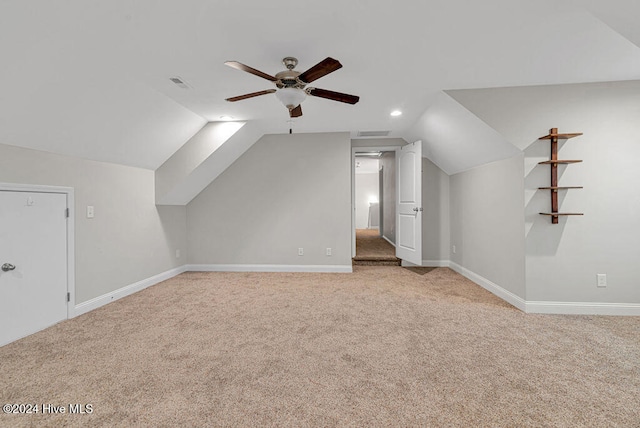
(89, 211)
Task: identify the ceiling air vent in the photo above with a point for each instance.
(179, 82)
(373, 133)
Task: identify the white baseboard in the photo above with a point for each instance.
(436, 263)
(127, 290)
(583, 308)
(494, 288)
(270, 268)
(558, 308)
(388, 240)
(538, 307)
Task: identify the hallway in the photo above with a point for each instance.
(373, 250)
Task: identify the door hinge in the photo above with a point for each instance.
(66, 212)
(68, 297)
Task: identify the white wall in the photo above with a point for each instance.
(487, 223)
(172, 174)
(130, 239)
(435, 217)
(388, 163)
(377, 142)
(367, 185)
(285, 192)
(562, 260)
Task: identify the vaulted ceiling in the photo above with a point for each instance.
(91, 79)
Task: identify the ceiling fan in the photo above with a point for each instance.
(292, 84)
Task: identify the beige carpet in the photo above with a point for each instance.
(379, 347)
(373, 250)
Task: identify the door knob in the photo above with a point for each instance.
(7, 267)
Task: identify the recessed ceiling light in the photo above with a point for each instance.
(396, 113)
(226, 117)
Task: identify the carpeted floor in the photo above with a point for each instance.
(373, 250)
(379, 347)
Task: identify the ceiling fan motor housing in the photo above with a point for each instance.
(289, 79)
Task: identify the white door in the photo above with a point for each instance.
(33, 259)
(409, 209)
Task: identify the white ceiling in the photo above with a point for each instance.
(90, 79)
(455, 139)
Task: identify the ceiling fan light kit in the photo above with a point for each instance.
(291, 97)
(292, 84)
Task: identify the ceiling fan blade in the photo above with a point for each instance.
(324, 67)
(239, 66)
(335, 96)
(296, 112)
(251, 95)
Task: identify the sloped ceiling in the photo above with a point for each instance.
(620, 15)
(523, 114)
(457, 140)
(91, 79)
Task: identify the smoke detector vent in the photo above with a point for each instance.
(179, 82)
(373, 133)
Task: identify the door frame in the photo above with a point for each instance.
(69, 192)
(355, 150)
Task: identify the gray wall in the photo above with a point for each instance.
(388, 163)
(285, 192)
(129, 239)
(487, 222)
(435, 217)
(562, 260)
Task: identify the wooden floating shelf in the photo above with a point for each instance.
(553, 138)
(559, 214)
(560, 136)
(556, 161)
(560, 187)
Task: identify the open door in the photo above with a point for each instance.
(409, 204)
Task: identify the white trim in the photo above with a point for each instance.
(71, 251)
(354, 150)
(127, 290)
(389, 241)
(494, 288)
(560, 308)
(583, 308)
(270, 268)
(436, 263)
(19, 187)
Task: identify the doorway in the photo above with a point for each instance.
(401, 220)
(374, 206)
(36, 271)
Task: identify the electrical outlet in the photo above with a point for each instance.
(301, 251)
(602, 279)
(328, 251)
(177, 254)
(89, 211)
(454, 249)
